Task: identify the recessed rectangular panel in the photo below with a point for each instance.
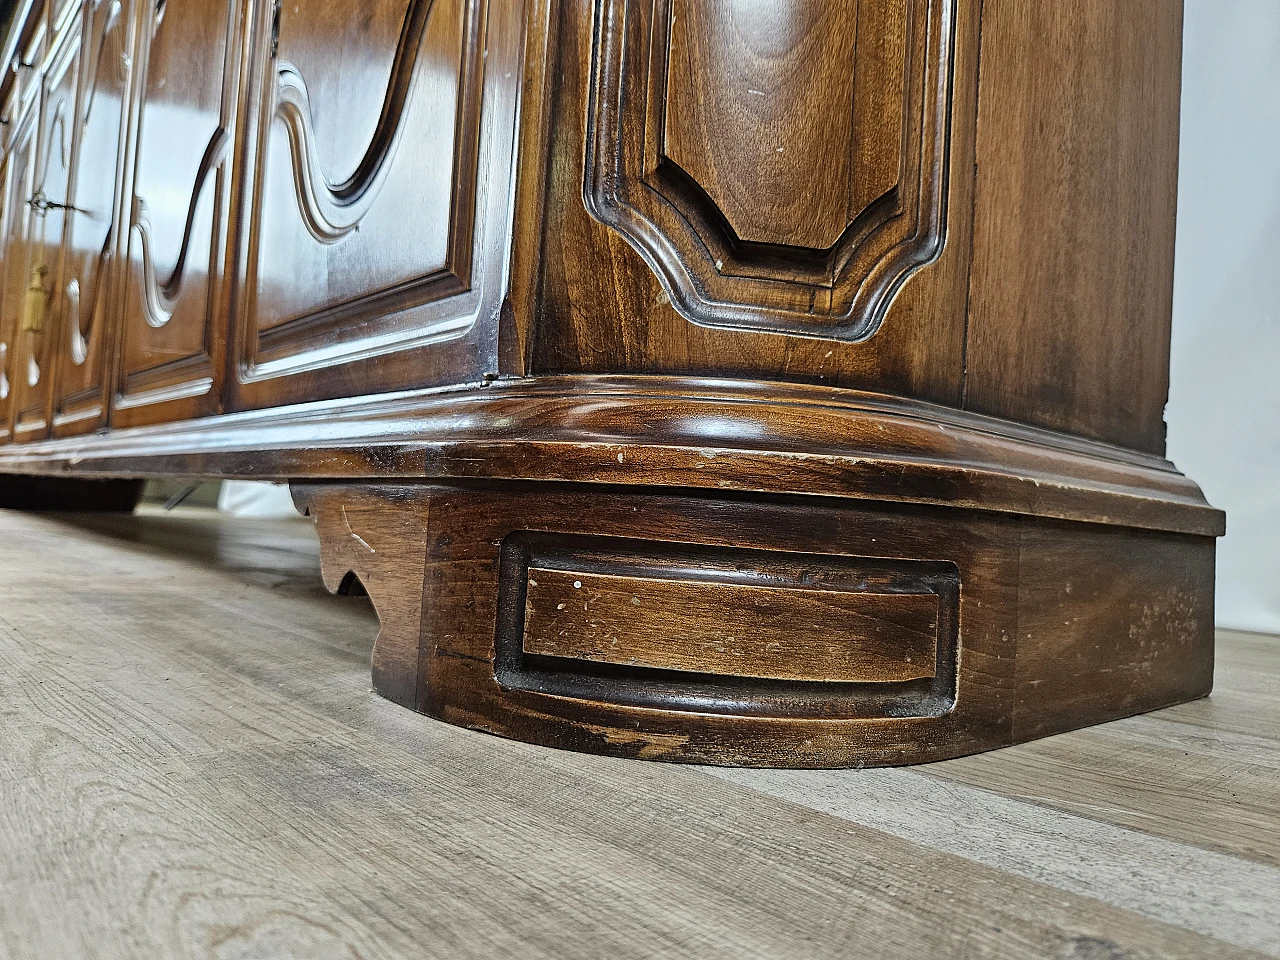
(774, 632)
(705, 628)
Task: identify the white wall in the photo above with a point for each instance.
(1224, 402)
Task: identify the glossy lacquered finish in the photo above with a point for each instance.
(724, 381)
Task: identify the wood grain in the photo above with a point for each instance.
(374, 209)
(588, 301)
(723, 436)
(746, 630)
(221, 785)
(83, 306)
(1072, 287)
(172, 355)
(752, 297)
(381, 542)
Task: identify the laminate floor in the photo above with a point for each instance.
(192, 765)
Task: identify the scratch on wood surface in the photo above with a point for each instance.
(652, 745)
(355, 536)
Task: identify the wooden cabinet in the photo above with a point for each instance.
(53, 145)
(690, 379)
(782, 190)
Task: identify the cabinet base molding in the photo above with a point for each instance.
(728, 628)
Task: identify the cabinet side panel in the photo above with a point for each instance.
(1072, 277)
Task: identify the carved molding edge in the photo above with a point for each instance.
(332, 211)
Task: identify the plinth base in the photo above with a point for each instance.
(764, 631)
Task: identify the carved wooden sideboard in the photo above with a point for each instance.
(740, 381)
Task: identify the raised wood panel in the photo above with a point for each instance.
(18, 170)
(5, 335)
(657, 616)
(723, 148)
(741, 66)
(49, 200)
(775, 190)
(83, 307)
(172, 339)
(377, 197)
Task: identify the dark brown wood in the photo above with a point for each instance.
(82, 310)
(54, 141)
(682, 378)
(593, 298)
(658, 614)
(644, 432)
(374, 210)
(1139, 602)
(172, 355)
(1077, 158)
(385, 559)
(527, 589)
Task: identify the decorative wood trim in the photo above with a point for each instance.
(332, 211)
(159, 297)
(673, 623)
(431, 310)
(187, 386)
(672, 432)
(713, 275)
(1058, 625)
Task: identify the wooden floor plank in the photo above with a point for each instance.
(193, 766)
(1184, 782)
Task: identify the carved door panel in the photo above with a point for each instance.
(37, 350)
(16, 221)
(84, 308)
(378, 197)
(5, 335)
(773, 189)
(172, 339)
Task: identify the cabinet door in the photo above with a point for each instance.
(775, 190)
(5, 335)
(84, 308)
(173, 346)
(36, 351)
(15, 246)
(377, 205)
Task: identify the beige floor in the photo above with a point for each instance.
(192, 765)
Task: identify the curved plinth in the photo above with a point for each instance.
(884, 618)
